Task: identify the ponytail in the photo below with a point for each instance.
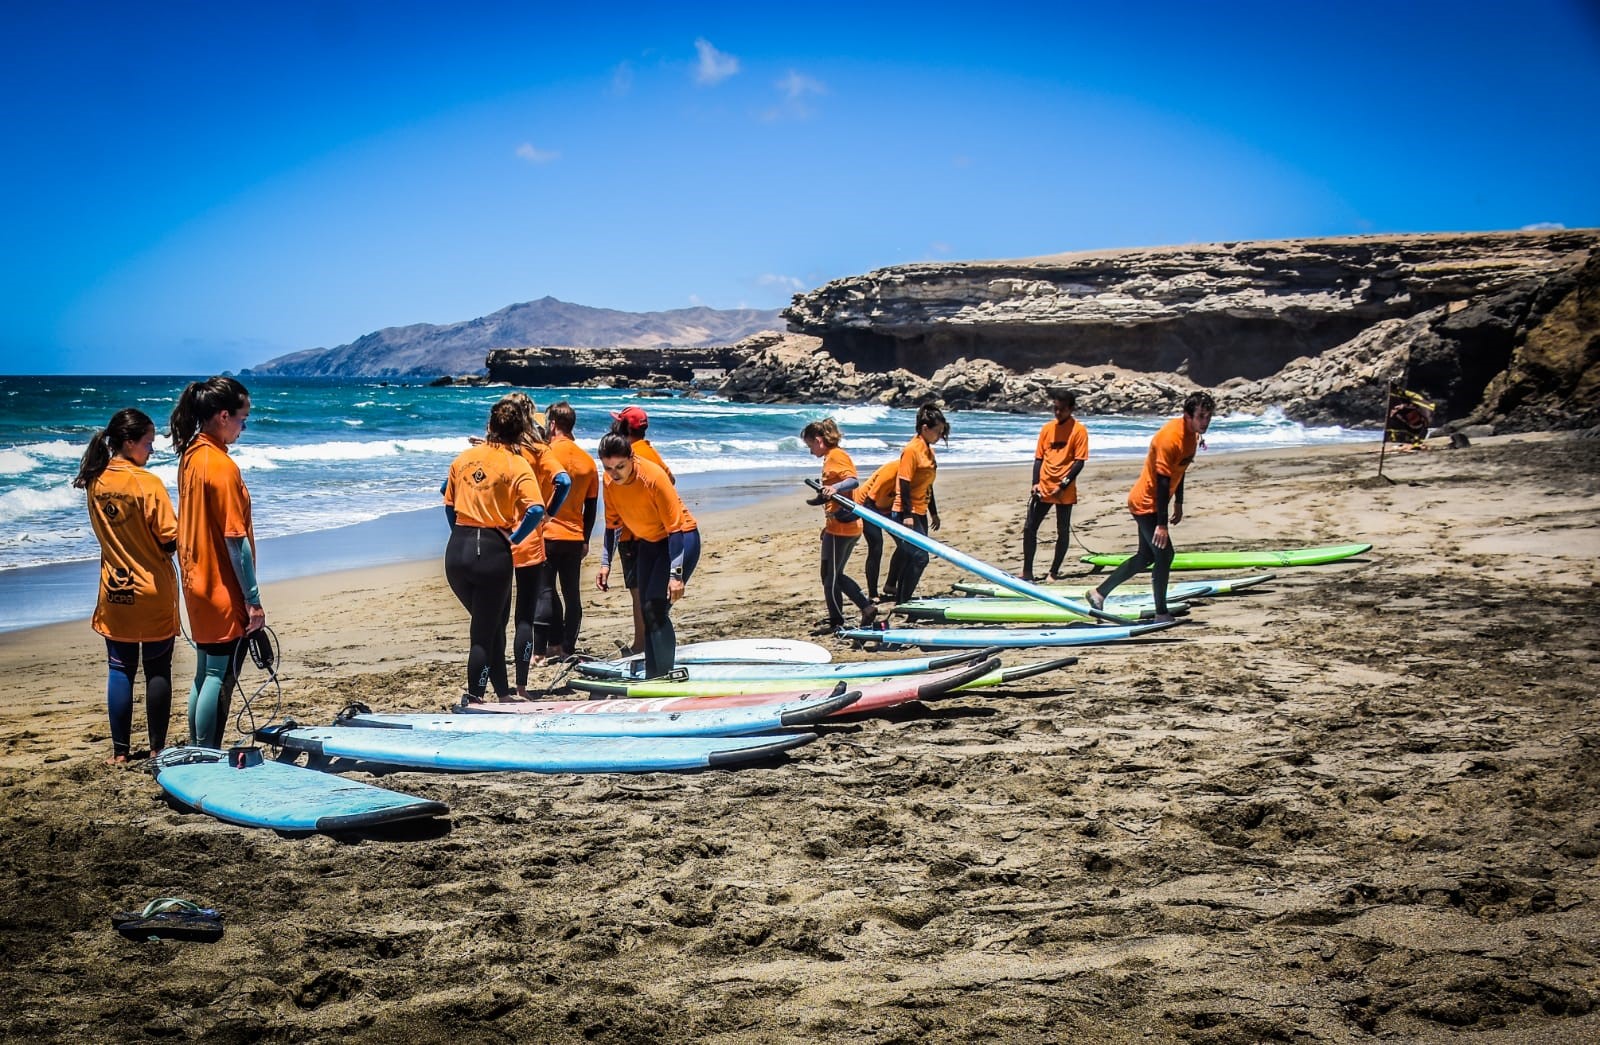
(199, 403)
(125, 426)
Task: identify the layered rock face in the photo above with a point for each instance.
(1316, 326)
(549, 365)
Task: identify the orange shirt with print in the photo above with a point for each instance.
(546, 466)
(492, 486)
(879, 490)
(918, 467)
(213, 505)
(567, 524)
(648, 505)
(1171, 450)
(1060, 445)
(132, 518)
(836, 468)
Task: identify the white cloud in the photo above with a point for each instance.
(713, 65)
(797, 85)
(789, 283)
(1544, 226)
(526, 151)
(621, 79)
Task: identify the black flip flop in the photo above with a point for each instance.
(170, 918)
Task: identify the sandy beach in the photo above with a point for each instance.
(1358, 803)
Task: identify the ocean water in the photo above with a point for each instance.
(354, 460)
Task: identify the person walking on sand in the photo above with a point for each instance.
(492, 501)
(1172, 450)
(216, 547)
(567, 529)
(839, 535)
(137, 608)
(877, 494)
(640, 497)
(1062, 450)
(914, 504)
(528, 554)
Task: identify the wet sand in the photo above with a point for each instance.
(1358, 803)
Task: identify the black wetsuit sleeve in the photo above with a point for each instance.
(591, 512)
(847, 486)
(933, 505)
(168, 547)
(1177, 495)
(1038, 467)
(905, 496)
(1163, 495)
(450, 515)
(608, 545)
(1072, 473)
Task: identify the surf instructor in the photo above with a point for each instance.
(216, 547)
(639, 496)
(1172, 450)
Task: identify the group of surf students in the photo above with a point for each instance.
(902, 490)
(136, 610)
(522, 503)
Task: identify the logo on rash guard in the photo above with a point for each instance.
(478, 476)
(119, 586)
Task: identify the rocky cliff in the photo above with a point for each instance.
(427, 350)
(1316, 326)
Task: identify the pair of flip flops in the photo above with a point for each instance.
(170, 918)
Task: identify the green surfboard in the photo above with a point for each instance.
(1251, 560)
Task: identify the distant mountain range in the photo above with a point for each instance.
(427, 350)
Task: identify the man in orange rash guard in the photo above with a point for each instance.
(633, 423)
(559, 614)
(1057, 459)
(1172, 449)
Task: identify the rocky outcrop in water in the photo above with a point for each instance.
(1317, 327)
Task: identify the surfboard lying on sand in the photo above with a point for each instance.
(1004, 638)
(688, 722)
(965, 561)
(854, 669)
(490, 752)
(1175, 590)
(743, 651)
(276, 795)
(1020, 611)
(901, 687)
(1249, 560)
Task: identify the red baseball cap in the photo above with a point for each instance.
(632, 416)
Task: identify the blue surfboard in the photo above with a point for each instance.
(280, 796)
(1005, 638)
(854, 669)
(711, 722)
(967, 562)
(490, 752)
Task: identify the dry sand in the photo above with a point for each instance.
(1358, 804)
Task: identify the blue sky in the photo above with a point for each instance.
(191, 187)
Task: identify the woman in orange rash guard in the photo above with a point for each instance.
(216, 547)
(137, 610)
(639, 496)
(492, 500)
(839, 534)
(914, 503)
(559, 615)
(877, 493)
(528, 554)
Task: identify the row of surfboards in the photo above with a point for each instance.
(731, 703)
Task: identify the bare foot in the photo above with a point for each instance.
(117, 760)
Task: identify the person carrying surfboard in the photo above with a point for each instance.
(137, 608)
(216, 547)
(528, 554)
(914, 504)
(1059, 456)
(640, 497)
(492, 500)
(839, 535)
(1172, 450)
(877, 493)
(567, 529)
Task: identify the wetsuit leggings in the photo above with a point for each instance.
(524, 619)
(216, 669)
(654, 571)
(123, 659)
(477, 563)
(1038, 508)
(907, 563)
(874, 541)
(1159, 561)
(835, 582)
(560, 613)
